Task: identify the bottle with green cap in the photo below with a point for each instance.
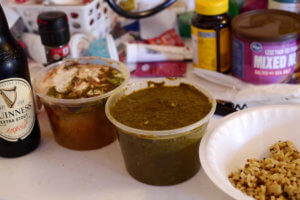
(211, 37)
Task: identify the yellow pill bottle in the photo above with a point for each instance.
(211, 37)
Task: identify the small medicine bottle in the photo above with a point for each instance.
(55, 35)
(211, 37)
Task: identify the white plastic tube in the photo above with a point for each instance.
(136, 53)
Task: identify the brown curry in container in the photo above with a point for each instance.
(159, 128)
(74, 95)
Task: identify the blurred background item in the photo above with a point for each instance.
(254, 5)
(104, 47)
(15, 22)
(184, 23)
(55, 35)
(88, 17)
(128, 4)
(288, 5)
(35, 48)
(64, 2)
(79, 44)
(233, 8)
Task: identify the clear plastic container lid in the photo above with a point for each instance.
(135, 86)
(39, 77)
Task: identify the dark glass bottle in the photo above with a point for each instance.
(55, 35)
(19, 129)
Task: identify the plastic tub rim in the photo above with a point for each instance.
(75, 102)
(160, 133)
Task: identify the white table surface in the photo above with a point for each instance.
(56, 173)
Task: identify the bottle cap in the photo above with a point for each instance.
(54, 28)
(212, 7)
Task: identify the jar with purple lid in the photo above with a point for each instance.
(265, 46)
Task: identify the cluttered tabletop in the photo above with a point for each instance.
(140, 100)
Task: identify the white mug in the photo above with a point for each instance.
(36, 49)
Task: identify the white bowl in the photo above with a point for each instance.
(246, 134)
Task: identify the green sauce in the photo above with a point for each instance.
(157, 159)
(162, 108)
(165, 161)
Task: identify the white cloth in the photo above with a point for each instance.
(245, 93)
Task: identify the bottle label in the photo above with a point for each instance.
(58, 53)
(265, 62)
(17, 115)
(204, 43)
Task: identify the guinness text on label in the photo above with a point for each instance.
(16, 109)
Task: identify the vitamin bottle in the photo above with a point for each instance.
(211, 39)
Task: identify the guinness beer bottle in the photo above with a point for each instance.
(19, 129)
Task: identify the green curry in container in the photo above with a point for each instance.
(160, 125)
